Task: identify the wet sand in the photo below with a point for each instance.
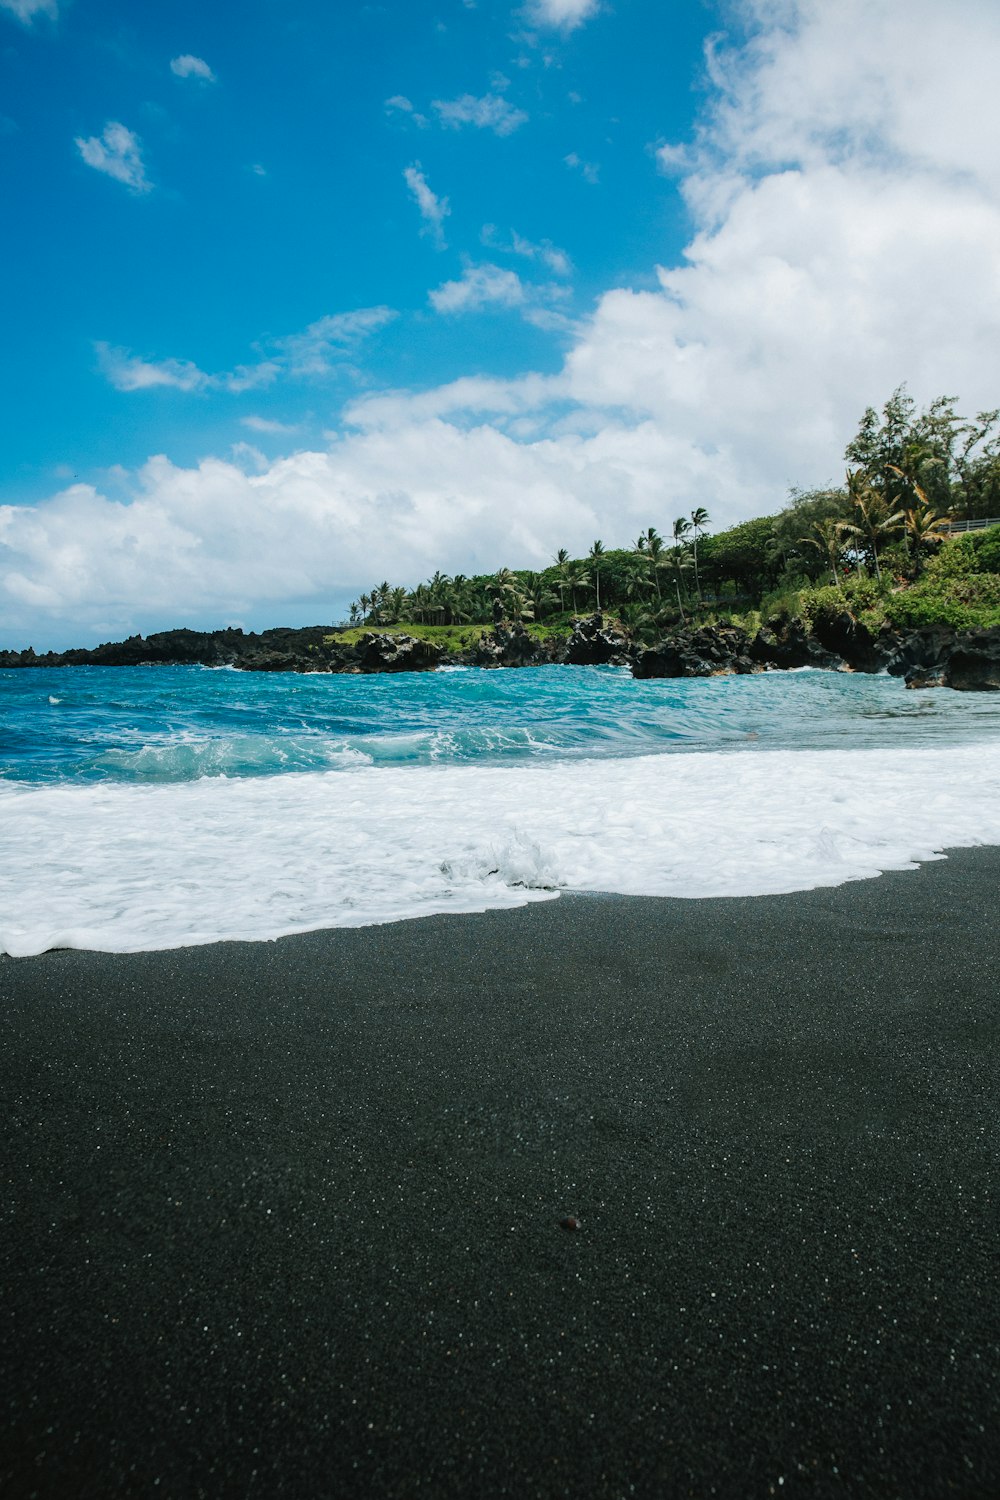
(284, 1219)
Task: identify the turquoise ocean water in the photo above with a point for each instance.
(150, 807)
(149, 724)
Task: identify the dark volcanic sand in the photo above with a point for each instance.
(284, 1219)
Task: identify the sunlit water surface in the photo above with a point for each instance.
(154, 807)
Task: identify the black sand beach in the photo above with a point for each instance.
(284, 1219)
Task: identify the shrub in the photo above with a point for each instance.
(965, 603)
(986, 545)
(864, 597)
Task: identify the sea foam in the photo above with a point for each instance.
(124, 868)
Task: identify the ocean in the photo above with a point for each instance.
(156, 807)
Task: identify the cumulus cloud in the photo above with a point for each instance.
(187, 66)
(491, 112)
(564, 14)
(26, 10)
(397, 502)
(433, 210)
(847, 237)
(313, 352)
(118, 153)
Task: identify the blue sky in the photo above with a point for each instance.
(273, 195)
(301, 296)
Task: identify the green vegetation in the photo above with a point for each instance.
(452, 637)
(882, 546)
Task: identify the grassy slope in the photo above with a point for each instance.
(452, 637)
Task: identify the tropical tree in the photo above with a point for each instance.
(594, 556)
(679, 563)
(365, 601)
(538, 594)
(504, 591)
(976, 490)
(873, 522)
(562, 562)
(924, 529)
(637, 579)
(577, 577)
(699, 522)
(439, 591)
(420, 602)
(826, 537)
(649, 546)
(461, 600)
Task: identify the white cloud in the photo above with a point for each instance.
(491, 112)
(187, 66)
(27, 10)
(550, 255)
(433, 210)
(313, 352)
(269, 426)
(127, 372)
(492, 286)
(479, 286)
(118, 153)
(589, 170)
(325, 342)
(564, 14)
(399, 104)
(398, 503)
(847, 238)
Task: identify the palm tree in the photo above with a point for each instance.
(365, 600)
(460, 605)
(679, 563)
(562, 578)
(649, 544)
(637, 580)
(825, 536)
(421, 600)
(503, 588)
(578, 578)
(699, 521)
(873, 519)
(595, 554)
(538, 594)
(924, 528)
(681, 528)
(354, 611)
(439, 590)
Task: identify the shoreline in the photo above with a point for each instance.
(285, 1217)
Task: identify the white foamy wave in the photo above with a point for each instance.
(185, 759)
(122, 868)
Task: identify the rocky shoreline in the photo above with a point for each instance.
(934, 657)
